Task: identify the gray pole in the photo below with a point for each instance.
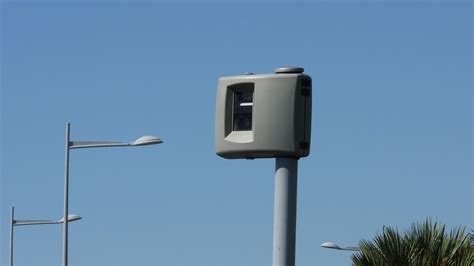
(284, 224)
(12, 221)
(66, 196)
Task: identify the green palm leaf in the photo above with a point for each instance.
(425, 243)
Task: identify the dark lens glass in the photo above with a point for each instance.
(242, 117)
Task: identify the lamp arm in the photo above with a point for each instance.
(351, 248)
(34, 222)
(96, 144)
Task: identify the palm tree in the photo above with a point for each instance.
(425, 243)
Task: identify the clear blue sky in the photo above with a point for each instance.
(391, 143)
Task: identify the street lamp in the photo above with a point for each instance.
(13, 222)
(142, 141)
(331, 245)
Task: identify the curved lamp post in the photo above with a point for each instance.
(331, 245)
(13, 222)
(146, 140)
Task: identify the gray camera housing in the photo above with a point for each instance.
(264, 116)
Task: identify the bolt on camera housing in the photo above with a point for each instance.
(264, 116)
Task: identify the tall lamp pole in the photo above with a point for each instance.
(13, 222)
(146, 140)
(66, 194)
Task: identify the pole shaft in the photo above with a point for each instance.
(66, 196)
(12, 220)
(284, 224)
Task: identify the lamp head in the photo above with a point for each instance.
(146, 140)
(71, 218)
(330, 245)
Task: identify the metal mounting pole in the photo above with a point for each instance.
(12, 221)
(66, 196)
(284, 224)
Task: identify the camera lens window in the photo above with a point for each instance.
(242, 111)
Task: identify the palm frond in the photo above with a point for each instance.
(425, 243)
